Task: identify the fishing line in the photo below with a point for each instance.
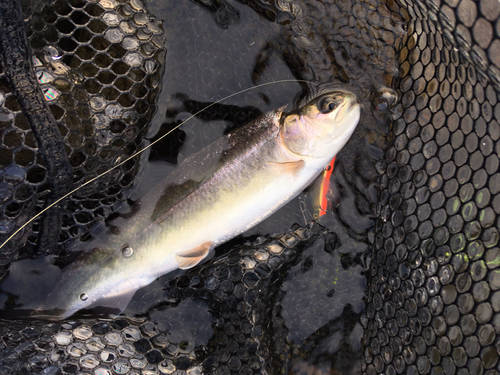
(144, 149)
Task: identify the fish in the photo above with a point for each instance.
(212, 196)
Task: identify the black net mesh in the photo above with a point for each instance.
(434, 280)
(99, 67)
(433, 304)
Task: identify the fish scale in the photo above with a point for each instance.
(446, 127)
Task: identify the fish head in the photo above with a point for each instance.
(323, 126)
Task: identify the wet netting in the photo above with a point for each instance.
(433, 295)
(400, 276)
(99, 74)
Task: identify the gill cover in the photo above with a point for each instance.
(311, 130)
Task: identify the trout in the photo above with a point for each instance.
(214, 195)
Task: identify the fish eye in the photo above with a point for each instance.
(327, 105)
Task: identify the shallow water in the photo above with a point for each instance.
(321, 300)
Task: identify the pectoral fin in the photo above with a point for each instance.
(291, 167)
(190, 258)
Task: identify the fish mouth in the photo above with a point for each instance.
(349, 120)
(348, 109)
(345, 110)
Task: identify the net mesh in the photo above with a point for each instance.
(433, 303)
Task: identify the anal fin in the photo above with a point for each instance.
(114, 306)
(291, 167)
(190, 258)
